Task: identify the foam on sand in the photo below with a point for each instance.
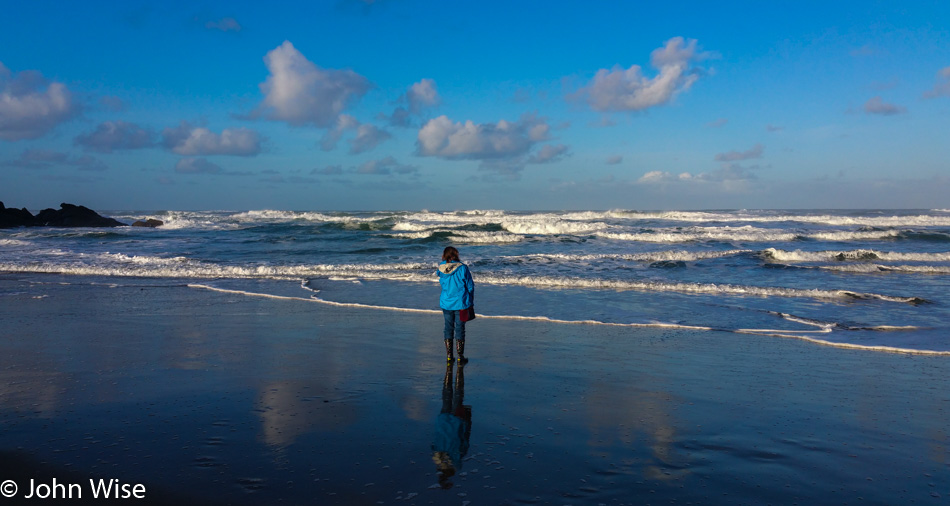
(824, 328)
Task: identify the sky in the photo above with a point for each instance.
(519, 105)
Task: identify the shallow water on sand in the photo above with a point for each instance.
(229, 398)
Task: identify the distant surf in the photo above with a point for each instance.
(863, 270)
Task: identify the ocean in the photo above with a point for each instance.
(871, 279)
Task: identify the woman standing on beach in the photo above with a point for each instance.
(458, 294)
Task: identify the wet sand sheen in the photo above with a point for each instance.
(221, 397)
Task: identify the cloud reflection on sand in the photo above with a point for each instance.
(290, 409)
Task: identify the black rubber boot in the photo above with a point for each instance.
(448, 351)
(460, 347)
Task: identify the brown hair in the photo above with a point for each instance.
(450, 254)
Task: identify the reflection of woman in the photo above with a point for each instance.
(458, 292)
(453, 427)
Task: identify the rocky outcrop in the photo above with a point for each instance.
(11, 218)
(150, 223)
(68, 215)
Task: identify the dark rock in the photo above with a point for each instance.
(67, 216)
(150, 223)
(70, 215)
(11, 218)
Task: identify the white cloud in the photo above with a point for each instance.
(186, 139)
(332, 136)
(620, 89)
(733, 156)
(87, 162)
(37, 159)
(399, 118)
(657, 176)
(503, 147)
(422, 94)
(224, 24)
(729, 173)
(942, 88)
(301, 93)
(196, 166)
(417, 98)
(385, 166)
(30, 106)
(875, 105)
(47, 159)
(549, 153)
(367, 136)
(115, 135)
(443, 138)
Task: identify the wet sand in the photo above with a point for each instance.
(218, 398)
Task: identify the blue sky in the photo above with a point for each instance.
(412, 104)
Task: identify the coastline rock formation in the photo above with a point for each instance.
(68, 215)
(10, 218)
(150, 223)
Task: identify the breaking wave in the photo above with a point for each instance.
(748, 233)
(852, 255)
(876, 268)
(540, 223)
(117, 264)
(699, 234)
(461, 236)
(14, 242)
(918, 220)
(657, 256)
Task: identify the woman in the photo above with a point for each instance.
(458, 292)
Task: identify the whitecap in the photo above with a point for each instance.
(920, 220)
(14, 242)
(693, 234)
(654, 256)
(852, 256)
(551, 227)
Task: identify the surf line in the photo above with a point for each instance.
(792, 334)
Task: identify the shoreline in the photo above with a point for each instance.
(788, 334)
(250, 400)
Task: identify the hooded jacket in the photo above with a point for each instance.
(458, 289)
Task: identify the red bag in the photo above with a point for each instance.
(467, 314)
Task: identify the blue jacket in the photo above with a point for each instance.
(458, 289)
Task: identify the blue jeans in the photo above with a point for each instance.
(453, 325)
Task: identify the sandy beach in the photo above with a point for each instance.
(708, 245)
(220, 398)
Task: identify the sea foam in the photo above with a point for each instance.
(823, 328)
